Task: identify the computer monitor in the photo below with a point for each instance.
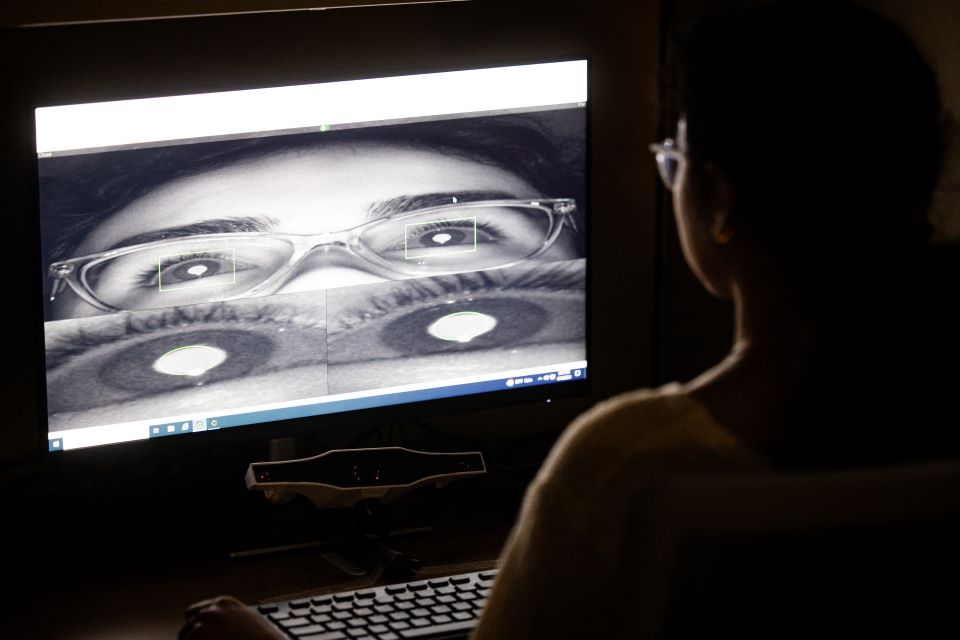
(221, 260)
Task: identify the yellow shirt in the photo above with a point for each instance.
(563, 557)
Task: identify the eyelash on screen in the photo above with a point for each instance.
(82, 341)
(546, 278)
(549, 278)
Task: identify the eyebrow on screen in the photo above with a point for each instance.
(266, 224)
(244, 224)
(406, 203)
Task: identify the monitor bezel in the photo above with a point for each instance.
(51, 93)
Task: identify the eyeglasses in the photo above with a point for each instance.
(454, 238)
(668, 161)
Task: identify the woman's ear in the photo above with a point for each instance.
(721, 205)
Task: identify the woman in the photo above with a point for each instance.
(807, 150)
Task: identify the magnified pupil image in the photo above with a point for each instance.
(463, 326)
(191, 360)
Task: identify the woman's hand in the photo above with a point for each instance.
(226, 618)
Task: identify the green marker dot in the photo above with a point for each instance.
(462, 326)
(191, 360)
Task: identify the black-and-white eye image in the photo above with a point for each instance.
(459, 325)
(203, 358)
(186, 224)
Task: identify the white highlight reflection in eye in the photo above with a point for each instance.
(441, 238)
(197, 270)
(191, 360)
(462, 326)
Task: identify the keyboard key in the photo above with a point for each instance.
(389, 636)
(426, 632)
(446, 591)
(419, 613)
(343, 606)
(420, 622)
(343, 597)
(460, 579)
(446, 599)
(356, 622)
(300, 604)
(405, 606)
(378, 628)
(321, 609)
(441, 619)
(462, 606)
(363, 611)
(365, 595)
(487, 576)
(293, 622)
(321, 618)
(417, 586)
(299, 632)
(342, 615)
(336, 625)
(479, 603)
(442, 582)
(396, 588)
(356, 633)
(400, 615)
(279, 615)
(268, 608)
(406, 596)
(320, 600)
(400, 625)
(378, 619)
(425, 602)
(441, 608)
(466, 587)
(332, 635)
(466, 596)
(384, 608)
(484, 592)
(463, 615)
(384, 599)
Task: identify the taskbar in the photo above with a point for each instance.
(65, 440)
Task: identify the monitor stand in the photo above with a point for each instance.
(355, 484)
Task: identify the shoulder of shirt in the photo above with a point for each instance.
(642, 432)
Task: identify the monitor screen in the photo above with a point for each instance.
(218, 260)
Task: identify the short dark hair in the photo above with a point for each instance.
(827, 122)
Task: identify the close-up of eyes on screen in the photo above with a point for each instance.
(452, 326)
(254, 270)
(132, 366)
(152, 228)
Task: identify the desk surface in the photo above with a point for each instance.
(139, 591)
(149, 605)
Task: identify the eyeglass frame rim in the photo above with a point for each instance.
(80, 265)
(666, 148)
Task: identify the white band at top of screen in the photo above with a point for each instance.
(127, 122)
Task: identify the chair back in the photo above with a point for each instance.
(849, 554)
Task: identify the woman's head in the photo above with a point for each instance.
(812, 136)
